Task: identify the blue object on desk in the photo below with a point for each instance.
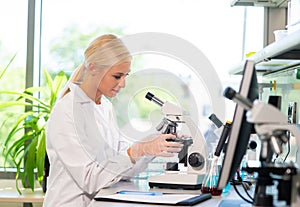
(234, 203)
(146, 193)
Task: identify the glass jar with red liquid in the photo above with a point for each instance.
(210, 182)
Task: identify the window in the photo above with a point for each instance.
(215, 29)
(13, 39)
(220, 39)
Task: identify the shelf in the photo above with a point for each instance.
(263, 3)
(279, 55)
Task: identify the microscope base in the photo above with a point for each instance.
(177, 181)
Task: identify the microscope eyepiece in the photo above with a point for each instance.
(236, 97)
(156, 100)
(149, 96)
(229, 93)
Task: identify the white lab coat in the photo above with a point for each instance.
(85, 149)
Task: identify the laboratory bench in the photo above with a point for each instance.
(9, 194)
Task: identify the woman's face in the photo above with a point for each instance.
(114, 79)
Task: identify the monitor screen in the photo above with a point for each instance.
(241, 129)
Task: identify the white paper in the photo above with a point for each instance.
(165, 198)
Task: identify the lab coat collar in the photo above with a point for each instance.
(80, 96)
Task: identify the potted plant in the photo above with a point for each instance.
(25, 142)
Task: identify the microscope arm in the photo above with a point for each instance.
(267, 129)
(269, 120)
(197, 152)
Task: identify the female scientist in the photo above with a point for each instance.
(84, 146)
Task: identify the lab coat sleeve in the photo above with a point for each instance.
(65, 147)
(139, 166)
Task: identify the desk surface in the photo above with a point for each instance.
(9, 194)
(142, 185)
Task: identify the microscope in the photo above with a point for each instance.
(271, 126)
(193, 155)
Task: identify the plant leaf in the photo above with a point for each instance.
(16, 148)
(49, 83)
(15, 127)
(40, 157)
(7, 66)
(17, 177)
(58, 83)
(16, 103)
(24, 96)
(29, 163)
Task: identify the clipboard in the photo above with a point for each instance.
(163, 199)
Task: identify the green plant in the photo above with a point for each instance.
(25, 142)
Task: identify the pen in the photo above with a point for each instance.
(147, 193)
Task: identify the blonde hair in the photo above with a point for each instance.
(105, 51)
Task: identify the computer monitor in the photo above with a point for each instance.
(241, 129)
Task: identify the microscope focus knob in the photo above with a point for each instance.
(196, 160)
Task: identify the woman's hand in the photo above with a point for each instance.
(161, 145)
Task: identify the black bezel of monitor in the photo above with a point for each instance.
(241, 130)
